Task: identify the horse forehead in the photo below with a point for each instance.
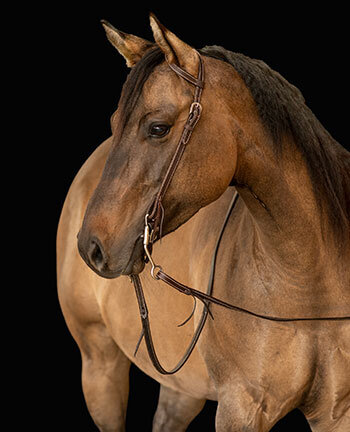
(164, 87)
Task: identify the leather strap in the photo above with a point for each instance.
(198, 82)
(205, 298)
(156, 213)
(146, 329)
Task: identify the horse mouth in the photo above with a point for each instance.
(136, 262)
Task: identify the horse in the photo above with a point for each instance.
(285, 250)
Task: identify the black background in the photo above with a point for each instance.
(77, 79)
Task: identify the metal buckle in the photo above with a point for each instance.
(196, 105)
(194, 114)
(147, 238)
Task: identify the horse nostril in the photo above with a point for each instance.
(96, 255)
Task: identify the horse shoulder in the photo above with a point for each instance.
(75, 280)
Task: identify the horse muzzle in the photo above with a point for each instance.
(111, 262)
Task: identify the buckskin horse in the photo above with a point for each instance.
(283, 252)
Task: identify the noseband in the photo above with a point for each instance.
(153, 230)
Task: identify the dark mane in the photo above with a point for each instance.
(282, 109)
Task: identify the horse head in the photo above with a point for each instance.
(147, 125)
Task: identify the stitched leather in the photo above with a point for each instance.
(156, 213)
(146, 329)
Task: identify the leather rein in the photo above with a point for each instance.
(153, 231)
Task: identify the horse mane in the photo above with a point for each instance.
(282, 110)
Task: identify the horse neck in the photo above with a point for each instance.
(279, 236)
(285, 213)
(277, 242)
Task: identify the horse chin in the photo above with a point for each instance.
(134, 267)
(135, 264)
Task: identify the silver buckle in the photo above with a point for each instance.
(196, 105)
(147, 238)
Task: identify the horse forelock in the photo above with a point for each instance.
(134, 83)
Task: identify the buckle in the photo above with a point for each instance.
(196, 105)
(147, 239)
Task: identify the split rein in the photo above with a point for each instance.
(153, 230)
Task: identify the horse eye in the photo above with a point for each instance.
(159, 130)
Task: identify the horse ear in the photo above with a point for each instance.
(131, 47)
(175, 50)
